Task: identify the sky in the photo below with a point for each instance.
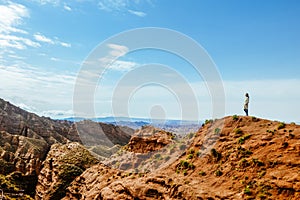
(253, 44)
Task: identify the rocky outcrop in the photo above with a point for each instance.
(148, 139)
(149, 149)
(62, 165)
(19, 153)
(232, 158)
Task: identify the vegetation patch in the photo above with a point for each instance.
(257, 162)
(247, 190)
(216, 154)
(208, 121)
(243, 153)
(16, 184)
(184, 166)
(242, 140)
(281, 125)
(217, 131)
(254, 119)
(235, 117)
(218, 173)
(238, 131)
(202, 173)
(244, 163)
(6, 167)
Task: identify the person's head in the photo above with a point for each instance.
(247, 95)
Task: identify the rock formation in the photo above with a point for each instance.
(62, 165)
(25, 141)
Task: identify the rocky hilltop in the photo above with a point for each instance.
(231, 158)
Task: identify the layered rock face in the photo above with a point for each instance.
(25, 142)
(62, 165)
(21, 154)
(148, 139)
(16, 121)
(26, 138)
(232, 158)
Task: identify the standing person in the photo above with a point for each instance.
(246, 104)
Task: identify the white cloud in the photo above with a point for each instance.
(115, 51)
(54, 59)
(44, 2)
(41, 38)
(68, 8)
(12, 15)
(64, 44)
(137, 13)
(11, 41)
(121, 6)
(112, 5)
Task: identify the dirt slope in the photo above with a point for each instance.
(248, 158)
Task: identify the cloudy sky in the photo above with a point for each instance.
(254, 44)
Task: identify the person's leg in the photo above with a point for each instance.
(246, 111)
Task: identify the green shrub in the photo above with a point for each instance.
(247, 190)
(235, 117)
(184, 164)
(243, 163)
(69, 172)
(202, 173)
(238, 131)
(190, 156)
(192, 151)
(218, 173)
(191, 166)
(216, 154)
(242, 140)
(244, 152)
(208, 121)
(257, 162)
(185, 172)
(217, 130)
(281, 125)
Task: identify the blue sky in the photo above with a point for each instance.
(255, 45)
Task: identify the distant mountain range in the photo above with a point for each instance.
(136, 121)
(173, 125)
